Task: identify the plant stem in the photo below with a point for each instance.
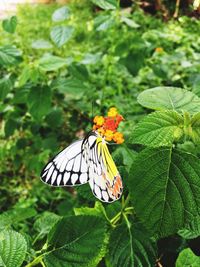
(35, 261)
(177, 9)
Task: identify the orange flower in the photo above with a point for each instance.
(109, 124)
(108, 135)
(118, 138)
(112, 112)
(101, 131)
(159, 49)
(99, 120)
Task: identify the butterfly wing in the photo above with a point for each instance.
(67, 168)
(104, 178)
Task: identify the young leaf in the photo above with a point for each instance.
(50, 63)
(60, 35)
(131, 248)
(39, 101)
(9, 25)
(61, 14)
(77, 241)
(13, 248)
(178, 99)
(105, 4)
(187, 258)
(165, 188)
(160, 128)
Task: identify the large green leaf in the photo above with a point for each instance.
(50, 63)
(131, 248)
(61, 14)
(77, 241)
(165, 189)
(60, 35)
(105, 4)
(162, 97)
(39, 101)
(187, 259)
(9, 25)
(13, 248)
(9, 55)
(160, 128)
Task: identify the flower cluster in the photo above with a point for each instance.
(107, 126)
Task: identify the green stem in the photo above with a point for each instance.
(35, 261)
(131, 238)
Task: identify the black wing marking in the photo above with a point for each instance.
(67, 168)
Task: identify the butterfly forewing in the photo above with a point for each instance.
(68, 168)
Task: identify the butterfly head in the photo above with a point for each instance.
(107, 126)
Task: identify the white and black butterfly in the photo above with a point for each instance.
(86, 160)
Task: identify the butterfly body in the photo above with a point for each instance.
(86, 160)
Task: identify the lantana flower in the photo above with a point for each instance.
(107, 126)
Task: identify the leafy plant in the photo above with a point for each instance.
(70, 63)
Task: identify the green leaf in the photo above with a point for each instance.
(50, 63)
(9, 25)
(187, 259)
(39, 101)
(13, 248)
(41, 44)
(45, 222)
(60, 35)
(71, 87)
(178, 99)
(5, 88)
(77, 241)
(98, 210)
(160, 128)
(105, 4)
(55, 117)
(130, 22)
(195, 125)
(9, 55)
(124, 156)
(15, 215)
(131, 248)
(165, 188)
(10, 126)
(61, 14)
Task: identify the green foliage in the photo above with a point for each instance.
(61, 34)
(13, 248)
(83, 236)
(57, 71)
(187, 258)
(9, 25)
(131, 247)
(160, 128)
(166, 198)
(170, 98)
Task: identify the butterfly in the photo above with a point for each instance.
(86, 161)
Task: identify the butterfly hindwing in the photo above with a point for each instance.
(104, 178)
(67, 168)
